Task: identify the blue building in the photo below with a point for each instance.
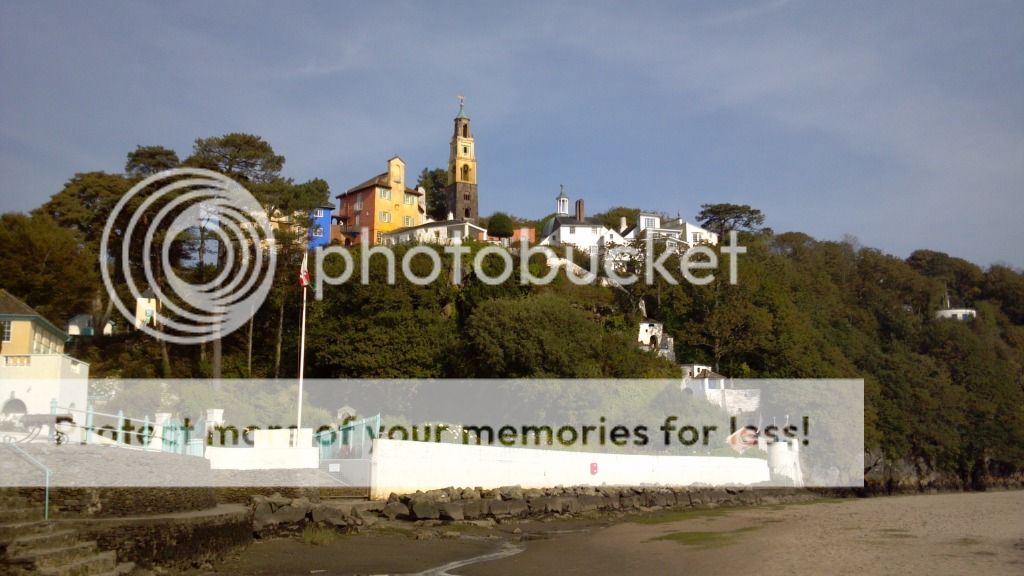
(320, 226)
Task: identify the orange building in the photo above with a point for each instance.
(381, 204)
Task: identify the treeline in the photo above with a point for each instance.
(942, 395)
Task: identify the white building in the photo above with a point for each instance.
(704, 382)
(651, 337)
(446, 232)
(33, 367)
(582, 233)
(676, 232)
(146, 306)
(82, 325)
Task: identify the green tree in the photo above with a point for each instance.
(245, 157)
(721, 218)
(434, 181)
(46, 266)
(148, 160)
(500, 225)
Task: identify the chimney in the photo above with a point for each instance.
(579, 209)
(622, 224)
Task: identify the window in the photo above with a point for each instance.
(318, 232)
(465, 172)
(318, 213)
(359, 201)
(696, 237)
(357, 220)
(407, 221)
(572, 230)
(380, 237)
(409, 199)
(385, 216)
(5, 327)
(650, 222)
(465, 130)
(385, 193)
(465, 149)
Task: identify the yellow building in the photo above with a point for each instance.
(379, 205)
(34, 371)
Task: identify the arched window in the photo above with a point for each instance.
(465, 171)
(467, 213)
(465, 130)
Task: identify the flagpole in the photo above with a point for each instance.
(302, 357)
(304, 280)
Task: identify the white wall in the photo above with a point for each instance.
(271, 450)
(404, 467)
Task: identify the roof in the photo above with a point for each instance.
(561, 193)
(436, 224)
(11, 308)
(380, 180)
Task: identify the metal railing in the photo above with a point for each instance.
(46, 473)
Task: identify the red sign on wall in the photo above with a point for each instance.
(593, 468)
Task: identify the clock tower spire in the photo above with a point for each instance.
(462, 187)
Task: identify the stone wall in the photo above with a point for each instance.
(278, 514)
(180, 541)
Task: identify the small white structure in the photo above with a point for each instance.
(651, 337)
(717, 389)
(146, 306)
(957, 314)
(82, 325)
(447, 232)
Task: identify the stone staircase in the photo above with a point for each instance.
(31, 546)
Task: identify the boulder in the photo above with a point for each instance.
(424, 508)
(395, 510)
(451, 510)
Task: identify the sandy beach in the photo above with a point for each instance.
(976, 533)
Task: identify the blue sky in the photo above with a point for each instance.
(899, 123)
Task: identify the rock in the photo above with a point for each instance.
(511, 492)
(425, 535)
(470, 494)
(368, 508)
(499, 508)
(288, 515)
(424, 509)
(395, 510)
(473, 509)
(517, 508)
(277, 501)
(332, 513)
(368, 520)
(451, 510)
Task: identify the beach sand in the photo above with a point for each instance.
(972, 533)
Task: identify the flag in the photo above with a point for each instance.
(742, 439)
(304, 271)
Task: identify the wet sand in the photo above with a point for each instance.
(977, 533)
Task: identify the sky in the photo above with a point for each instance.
(899, 123)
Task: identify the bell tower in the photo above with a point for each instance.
(462, 189)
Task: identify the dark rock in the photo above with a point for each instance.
(451, 510)
(395, 510)
(424, 508)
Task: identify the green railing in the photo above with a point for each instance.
(46, 474)
(351, 441)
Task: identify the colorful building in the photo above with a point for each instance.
(33, 367)
(320, 226)
(379, 205)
